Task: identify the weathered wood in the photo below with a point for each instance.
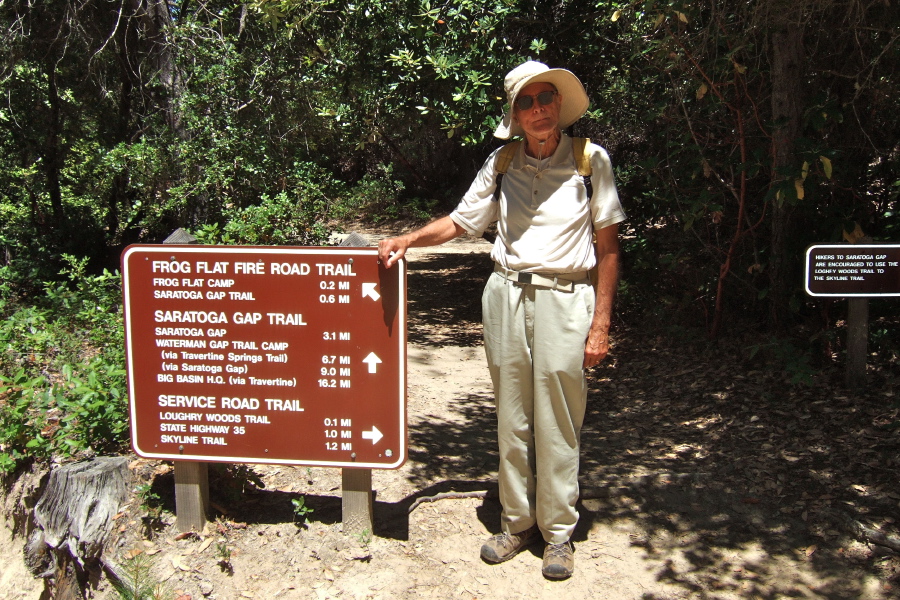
(76, 510)
(355, 240)
(865, 534)
(180, 236)
(72, 522)
(191, 477)
(191, 495)
(65, 583)
(356, 494)
(356, 500)
(857, 343)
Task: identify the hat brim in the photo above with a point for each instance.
(574, 101)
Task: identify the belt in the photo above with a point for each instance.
(564, 282)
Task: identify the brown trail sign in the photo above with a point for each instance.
(276, 355)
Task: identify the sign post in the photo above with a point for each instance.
(856, 272)
(275, 355)
(191, 477)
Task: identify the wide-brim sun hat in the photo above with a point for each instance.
(574, 99)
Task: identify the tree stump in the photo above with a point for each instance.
(73, 519)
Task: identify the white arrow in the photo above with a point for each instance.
(368, 289)
(373, 362)
(373, 435)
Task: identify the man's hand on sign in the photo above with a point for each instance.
(390, 250)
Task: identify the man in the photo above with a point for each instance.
(544, 322)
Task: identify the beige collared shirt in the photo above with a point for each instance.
(544, 218)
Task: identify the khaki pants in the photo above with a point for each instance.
(534, 341)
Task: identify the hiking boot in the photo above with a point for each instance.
(504, 546)
(559, 561)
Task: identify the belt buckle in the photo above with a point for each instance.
(524, 278)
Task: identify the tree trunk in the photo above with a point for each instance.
(787, 62)
(124, 132)
(52, 152)
(156, 21)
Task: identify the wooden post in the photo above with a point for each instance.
(191, 495)
(857, 343)
(356, 500)
(356, 484)
(857, 333)
(191, 477)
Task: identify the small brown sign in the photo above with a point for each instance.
(848, 270)
(268, 355)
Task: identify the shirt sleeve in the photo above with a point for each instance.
(606, 209)
(477, 209)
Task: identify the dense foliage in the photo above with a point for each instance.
(741, 133)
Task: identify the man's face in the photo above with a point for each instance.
(539, 120)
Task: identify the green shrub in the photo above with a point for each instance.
(66, 392)
(276, 221)
(785, 355)
(379, 197)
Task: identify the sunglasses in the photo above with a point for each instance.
(544, 98)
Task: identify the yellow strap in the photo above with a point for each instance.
(582, 156)
(583, 166)
(507, 153)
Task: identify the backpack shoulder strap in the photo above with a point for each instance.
(583, 166)
(583, 163)
(507, 153)
(504, 159)
(582, 157)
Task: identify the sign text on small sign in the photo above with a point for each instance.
(853, 270)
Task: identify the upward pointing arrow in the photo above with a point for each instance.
(368, 289)
(373, 361)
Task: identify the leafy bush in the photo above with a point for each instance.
(377, 197)
(280, 221)
(784, 354)
(66, 395)
(297, 217)
(75, 416)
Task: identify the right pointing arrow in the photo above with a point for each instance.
(373, 361)
(373, 435)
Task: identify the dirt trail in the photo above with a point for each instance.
(664, 520)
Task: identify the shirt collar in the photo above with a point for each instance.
(560, 156)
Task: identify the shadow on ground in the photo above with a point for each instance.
(732, 481)
(444, 299)
(739, 480)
